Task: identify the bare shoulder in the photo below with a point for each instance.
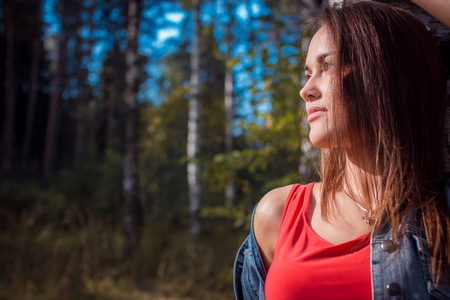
(267, 221)
(270, 209)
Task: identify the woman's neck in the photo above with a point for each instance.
(361, 180)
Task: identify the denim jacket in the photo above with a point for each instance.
(400, 270)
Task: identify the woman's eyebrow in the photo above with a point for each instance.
(319, 58)
(322, 56)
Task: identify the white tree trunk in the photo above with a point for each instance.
(193, 139)
(230, 188)
(132, 205)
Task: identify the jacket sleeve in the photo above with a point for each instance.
(249, 273)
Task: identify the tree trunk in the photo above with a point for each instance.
(312, 8)
(82, 109)
(193, 142)
(230, 188)
(53, 113)
(10, 90)
(31, 104)
(115, 91)
(133, 208)
(110, 121)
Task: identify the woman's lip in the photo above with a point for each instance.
(314, 112)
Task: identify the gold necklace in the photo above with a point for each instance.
(368, 214)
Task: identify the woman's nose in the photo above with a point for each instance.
(310, 91)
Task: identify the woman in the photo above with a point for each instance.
(377, 225)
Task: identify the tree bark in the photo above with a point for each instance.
(53, 113)
(115, 87)
(230, 188)
(312, 8)
(51, 134)
(193, 142)
(10, 91)
(31, 103)
(132, 205)
(82, 109)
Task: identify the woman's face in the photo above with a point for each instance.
(316, 92)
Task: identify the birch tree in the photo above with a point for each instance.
(193, 139)
(132, 205)
(230, 188)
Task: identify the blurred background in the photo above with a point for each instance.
(136, 137)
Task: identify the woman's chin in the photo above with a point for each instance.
(320, 141)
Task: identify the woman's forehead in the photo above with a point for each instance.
(320, 47)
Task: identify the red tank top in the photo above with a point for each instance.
(305, 266)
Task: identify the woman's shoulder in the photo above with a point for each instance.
(270, 209)
(267, 220)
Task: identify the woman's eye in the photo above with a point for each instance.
(307, 76)
(328, 66)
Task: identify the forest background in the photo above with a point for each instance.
(136, 138)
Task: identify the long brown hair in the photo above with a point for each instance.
(389, 88)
